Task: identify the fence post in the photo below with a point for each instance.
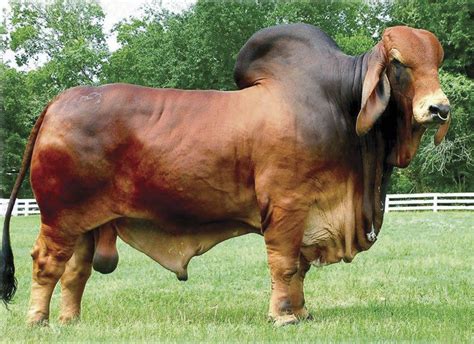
(387, 199)
(3, 207)
(435, 203)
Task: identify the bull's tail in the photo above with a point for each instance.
(8, 281)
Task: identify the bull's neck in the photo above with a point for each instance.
(375, 172)
(355, 75)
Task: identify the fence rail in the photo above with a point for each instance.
(23, 207)
(430, 201)
(396, 202)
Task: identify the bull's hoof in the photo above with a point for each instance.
(68, 319)
(283, 320)
(37, 319)
(303, 314)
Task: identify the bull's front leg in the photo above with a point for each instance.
(283, 235)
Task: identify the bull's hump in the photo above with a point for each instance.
(275, 51)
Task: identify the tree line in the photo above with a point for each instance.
(197, 48)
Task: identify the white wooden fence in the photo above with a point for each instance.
(430, 201)
(23, 207)
(397, 202)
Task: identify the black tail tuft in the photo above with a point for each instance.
(8, 281)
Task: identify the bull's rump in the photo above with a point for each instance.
(123, 150)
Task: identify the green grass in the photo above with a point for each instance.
(415, 284)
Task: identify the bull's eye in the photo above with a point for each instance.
(397, 63)
(400, 72)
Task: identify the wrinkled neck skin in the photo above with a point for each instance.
(374, 147)
(332, 94)
(341, 88)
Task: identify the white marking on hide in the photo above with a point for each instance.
(91, 97)
(317, 263)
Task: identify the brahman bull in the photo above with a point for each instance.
(301, 154)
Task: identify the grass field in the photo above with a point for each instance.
(415, 284)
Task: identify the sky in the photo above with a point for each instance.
(114, 10)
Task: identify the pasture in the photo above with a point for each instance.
(415, 284)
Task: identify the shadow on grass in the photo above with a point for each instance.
(413, 312)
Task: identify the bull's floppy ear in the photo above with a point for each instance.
(375, 91)
(441, 132)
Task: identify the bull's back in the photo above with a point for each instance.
(146, 153)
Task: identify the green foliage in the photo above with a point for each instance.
(15, 125)
(67, 33)
(354, 45)
(196, 49)
(346, 18)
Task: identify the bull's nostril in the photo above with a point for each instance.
(444, 110)
(440, 112)
(434, 109)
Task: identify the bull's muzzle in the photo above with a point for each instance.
(432, 109)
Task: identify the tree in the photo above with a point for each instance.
(68, 34)
(192, 50)
(15, 122)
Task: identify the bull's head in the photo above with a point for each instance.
(403, 70)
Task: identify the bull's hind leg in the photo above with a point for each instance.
(74, 278)
(53, 248)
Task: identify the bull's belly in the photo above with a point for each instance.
(174, 248)
(175, 205)
(174, 220)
